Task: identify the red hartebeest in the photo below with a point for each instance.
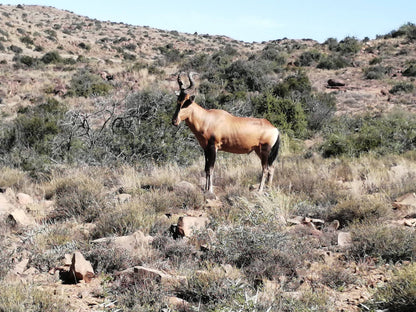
(218, 130)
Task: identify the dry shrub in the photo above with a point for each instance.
(382, 241)
(6, 254)
(364, 208)
(108, 259)
(311, 179)
(132, 294)
(10, 177)
(398, 294)
(261, 252)
(179, 253)
(336, 277)
(212, 287)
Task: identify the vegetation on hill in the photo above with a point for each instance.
(86, 111)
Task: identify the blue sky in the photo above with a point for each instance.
(254, 20)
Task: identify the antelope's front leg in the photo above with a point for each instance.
(210, 156)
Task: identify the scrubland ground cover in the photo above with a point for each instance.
(85, 121)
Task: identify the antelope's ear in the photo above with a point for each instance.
(192, 98)
(177, 93)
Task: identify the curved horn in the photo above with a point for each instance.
(191, 80)
(180, 82)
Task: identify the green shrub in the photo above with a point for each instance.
(15, 49)
(349, 211)
(24, 61)
(246, 76)
(26, 40)
(27, 141)
(293, 86)
(84, 46)
(376, 72)
(407, 30)
(285, 114)
(385, 134)
(271, 53)
(86, 84)
(308, 58)
(52, 57)
(333, 61)
(349, 45)
(410, 71)
(402, 87)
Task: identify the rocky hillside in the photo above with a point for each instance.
(101, 200)
(124, 51)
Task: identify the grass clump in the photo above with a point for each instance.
(79, 197)
(19, 297)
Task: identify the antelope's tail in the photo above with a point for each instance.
(274, 151)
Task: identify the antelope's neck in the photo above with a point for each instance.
(196, 119)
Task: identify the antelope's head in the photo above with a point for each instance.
(185, 99)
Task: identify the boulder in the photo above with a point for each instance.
(18, 217)
(24, 199)
(5, 205)
(80, 268)
(336, 83)
(123, 198)
(135, 244)
(20, 267)
(406, 201)
(188, 224)
(344, 239)
(184, 186)
(178, 304)
(160, 277)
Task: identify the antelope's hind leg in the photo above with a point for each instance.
(210, 156)
(266, 175)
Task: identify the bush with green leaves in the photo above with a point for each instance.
(86, 84)
(27, 141)
(407, 30)
(24, 61)
(333, 61)
(376, 72)
(285, 114)
(247, 75)
(385, 134)
(402, 87)
(309, 58)
(349, 45)
(410, 71)
(52, 57)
